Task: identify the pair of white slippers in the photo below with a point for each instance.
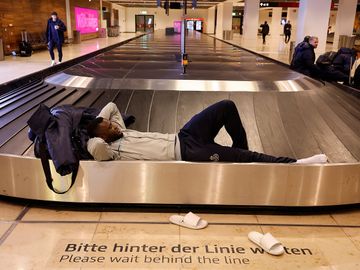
(266, 241)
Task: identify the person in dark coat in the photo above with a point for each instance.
(265, 29)
(55, 36)
(304, 58)
(287, 31)
(297, 48)
(344, 60)
(338, 68)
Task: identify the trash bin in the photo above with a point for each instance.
(291, 51)
(76, 37)
(227, 34)
(2, 57)
(346, 41)
(113, 31)
(102, 32)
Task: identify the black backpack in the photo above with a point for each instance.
(41, 120)
(326, 59)
(79, 139)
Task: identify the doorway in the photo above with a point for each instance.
(107, 17)
(144, 23)
(116, 17)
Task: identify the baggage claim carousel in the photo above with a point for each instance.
(284, 113)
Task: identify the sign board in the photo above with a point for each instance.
(87, 20)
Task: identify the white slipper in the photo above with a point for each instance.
(190, 220)
(267, 242)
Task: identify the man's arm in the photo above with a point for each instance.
(47, 33)
(62, 26)
(308, 59)
(112, 113)
(309, 63)
(100, 150)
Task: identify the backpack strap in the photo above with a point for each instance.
(47, 171)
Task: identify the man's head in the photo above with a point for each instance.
(54, 16)
(306, 39)
(265, 22)
(314, 41)
(104, 129)
(288, 22)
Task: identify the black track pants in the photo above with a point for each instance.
(197, 137)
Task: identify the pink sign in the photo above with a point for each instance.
(87, 20)
(177, 26)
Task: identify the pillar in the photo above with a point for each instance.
(275, 25)
(313, 20)
(224, 18)
(68, 19)
(344, 20)
(210, 25)
(101, 11)
(251, 19)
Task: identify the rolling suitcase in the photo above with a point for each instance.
(25, 46)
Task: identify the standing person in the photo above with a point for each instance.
(111, 140)
(287, 31)
(265, 29)
(55, 36)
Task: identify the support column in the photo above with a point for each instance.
(292, 14)
(344, 20)
(275, 25)
(251, 19)
(210, 26)
(313, 20)
(224, 18)
(68, 19)
(101, 12)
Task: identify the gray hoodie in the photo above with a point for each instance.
(134, 145)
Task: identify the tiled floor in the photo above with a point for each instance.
(39, 238)
(15, 66)
(274, 48)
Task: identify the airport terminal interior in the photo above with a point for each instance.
(161, 63)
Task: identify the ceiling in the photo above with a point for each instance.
(152, 3)
(200, 3)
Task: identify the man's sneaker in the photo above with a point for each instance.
(53, 63)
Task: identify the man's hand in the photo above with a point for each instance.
(57, 27)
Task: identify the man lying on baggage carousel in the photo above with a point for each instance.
(111, 140)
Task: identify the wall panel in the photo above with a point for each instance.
(31, 16)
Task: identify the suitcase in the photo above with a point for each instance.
(25, 46)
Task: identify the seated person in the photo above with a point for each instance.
(111, 140)
(338, 66)
(355, 71)
(343, 60)
(304, 58)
